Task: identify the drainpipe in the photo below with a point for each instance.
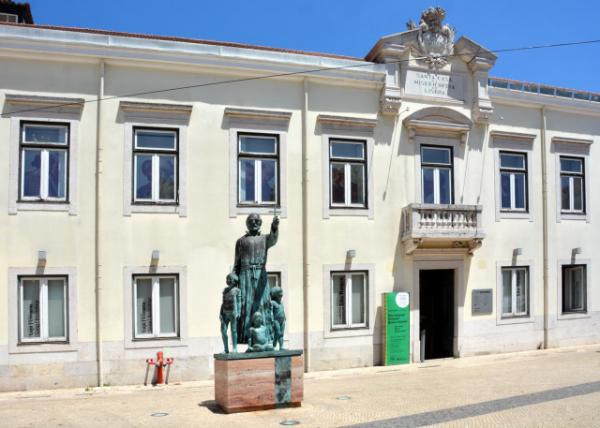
(545, 223)
(97, 225)
(305, 299)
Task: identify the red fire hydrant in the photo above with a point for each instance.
(159, 365)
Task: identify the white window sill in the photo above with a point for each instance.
(347, 332)
(156, 208)
(44, 206)
(168, 342)
(573, 316)
(574, 216)
(515, 320)
(514, 215)
(38, 347)
(350, 212)
(265, 210)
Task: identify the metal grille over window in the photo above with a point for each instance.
(572, 185)
(155, 159)
(258, 170)
(348, 300)
(347, 174)
(44, 162)
(437, 175)
(513, 181)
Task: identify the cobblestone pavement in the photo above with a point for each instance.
(555, 388)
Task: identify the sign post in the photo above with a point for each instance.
(396, 309)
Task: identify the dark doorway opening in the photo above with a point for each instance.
(436, 308)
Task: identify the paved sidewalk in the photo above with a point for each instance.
(555, 388)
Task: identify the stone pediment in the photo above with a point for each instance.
(438, 120)
(425, 61)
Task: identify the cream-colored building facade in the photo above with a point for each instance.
(131, 162)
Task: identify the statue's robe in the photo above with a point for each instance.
(250, 261)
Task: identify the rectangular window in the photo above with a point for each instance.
(436, 175)
(156, 306)
(9, 17)
(258, 170)
(347, 173)
(274, 279)
(515, 292)
(44, 154)
(155, 166)
(513, 181)
(572, 185)
(43, 309)
(574, 291)
(349, 299)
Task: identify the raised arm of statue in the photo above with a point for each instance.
(274, 235)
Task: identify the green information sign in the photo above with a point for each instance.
(396, 309)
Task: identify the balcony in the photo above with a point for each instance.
(441, 226)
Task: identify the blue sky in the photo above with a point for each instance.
(351, 27)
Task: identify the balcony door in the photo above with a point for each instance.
(437, 178)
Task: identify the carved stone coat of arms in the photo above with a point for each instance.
(435, 40)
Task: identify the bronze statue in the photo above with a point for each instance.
(230, 311)
(278, 317)
(250, 261)
(259, 338)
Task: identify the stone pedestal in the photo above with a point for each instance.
(259, 380)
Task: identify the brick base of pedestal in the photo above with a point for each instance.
(259, 380)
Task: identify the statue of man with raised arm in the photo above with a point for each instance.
(250, 261)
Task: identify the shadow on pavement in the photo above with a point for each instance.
(486, 407)
(212, 406)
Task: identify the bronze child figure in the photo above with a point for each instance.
(230, 310)
(259, 339)
(278, 316)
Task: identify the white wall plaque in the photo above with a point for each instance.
(428, 84)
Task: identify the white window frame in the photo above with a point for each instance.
(8, 17)
(513, 285)
(572, 148)
(514, 142)
(528, 318)
(258, 159)
(155, 116)
(512, 172)
(60, 349)
(348, 303)
(577, 266)
(27, 110)
(253, 121)
(348, 162)
(436, 173)
(156, 334)
(571, 176)
(43, 299)
(156, 154)
(45, 149)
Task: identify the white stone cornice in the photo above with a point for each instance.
(26, 103)
(155, 107)
(50, 44)
(511, 135)
(569, 140)
(337, 123)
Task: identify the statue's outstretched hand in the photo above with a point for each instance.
(275, 222)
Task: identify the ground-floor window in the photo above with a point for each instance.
(574, 288)
(156, 306)
(349, 299)
(515, 292)
(43, 309)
